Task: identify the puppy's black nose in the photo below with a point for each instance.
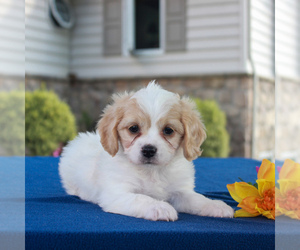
(149, 151)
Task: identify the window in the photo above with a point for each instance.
(61, 14)
(154, 27)
(147, 24)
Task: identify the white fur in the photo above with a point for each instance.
(156, 102)
(123, 184)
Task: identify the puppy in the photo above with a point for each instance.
(142, 168)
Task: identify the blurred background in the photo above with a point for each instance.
(60, 61)
(241, 58)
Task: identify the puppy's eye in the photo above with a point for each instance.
(134, 129)
(168, 131)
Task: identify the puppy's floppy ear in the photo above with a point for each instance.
(107, 126)
(194, 129)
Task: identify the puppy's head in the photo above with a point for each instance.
(151, 125)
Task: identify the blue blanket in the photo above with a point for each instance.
(55, 220)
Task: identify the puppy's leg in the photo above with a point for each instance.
(138, 205)
(194, 203)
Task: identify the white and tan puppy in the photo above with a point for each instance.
(142, 167)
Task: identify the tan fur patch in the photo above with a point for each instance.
(126, 112)
(172, 120)
(194, 130)
(133, 115)
(107, 126)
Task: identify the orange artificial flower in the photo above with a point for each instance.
(288, 196)
(256, 201)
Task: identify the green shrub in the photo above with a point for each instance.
(48, 122)
(12, 122)
(217, 142)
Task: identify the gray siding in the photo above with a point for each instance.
(12, 38)
(262, 36)
(288, 38)
(87, 35)
(112, 27)
(175, 22)
(47, 47)
(214, 43)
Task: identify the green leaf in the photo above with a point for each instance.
(49, 122)
(241, 179)
(214, 119)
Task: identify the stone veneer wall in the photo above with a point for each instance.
(87, 98)
(265, 120)
(288, 119)
(233, 93)
(9, 83)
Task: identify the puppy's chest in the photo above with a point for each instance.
(155, 186)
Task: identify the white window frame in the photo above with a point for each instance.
(131, 31)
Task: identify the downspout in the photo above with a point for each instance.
(255, 83)
(277, 105)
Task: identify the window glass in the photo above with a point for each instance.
(146, 24)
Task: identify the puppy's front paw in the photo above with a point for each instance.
(161, 211)
(215, 208)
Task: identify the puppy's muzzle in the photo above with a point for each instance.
(149, 151)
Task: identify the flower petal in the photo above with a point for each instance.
(232, 191)
(286, 185)
(270, 214)
(285, 169)
(264, 185)
(244, 190)
(297, 215)
(278, 194)
(278, 210)
(290, 213)
(290, 170)
(243, 213)
(266, 170)
(249, 204)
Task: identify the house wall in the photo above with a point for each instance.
(262, 35)
(47, 47)
(12, 82)
(288, 39)
(234, 95)
(264, 136)
(288, 79)
(287, 119)
(215, 43)
(12, 38)
(216, 40)
(275, 38)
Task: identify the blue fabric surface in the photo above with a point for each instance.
(12, 202)
(55, 220)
